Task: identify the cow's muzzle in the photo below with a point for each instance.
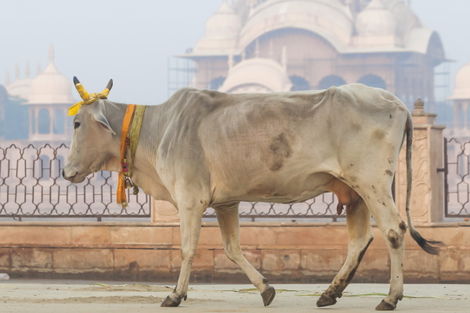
(68, 177)
(74, 177)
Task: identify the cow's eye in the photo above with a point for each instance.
(76, 125)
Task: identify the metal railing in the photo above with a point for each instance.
(457, 173)
(323, 206)
(31, 185)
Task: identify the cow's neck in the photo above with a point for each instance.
(144, 172)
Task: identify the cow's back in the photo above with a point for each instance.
(271, 144)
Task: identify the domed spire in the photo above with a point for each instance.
(226, 7)
(17, 72)
(221, 31)
(375, 4)
(20, 87)
(376, 20)
(51, 54)
(27, 70)
(7, 78)
(51, 67)
(50, 86)
(225, 23)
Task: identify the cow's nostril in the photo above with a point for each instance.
(68, 177)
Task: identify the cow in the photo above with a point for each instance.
(204, 148)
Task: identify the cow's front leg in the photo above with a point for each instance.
(190, 227)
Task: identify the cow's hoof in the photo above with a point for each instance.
(385, 306)
(169, 302)
(325, 300)
(268, 295)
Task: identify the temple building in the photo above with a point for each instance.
(282, 45)
(42, 101)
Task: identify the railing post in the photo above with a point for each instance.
(427, 201)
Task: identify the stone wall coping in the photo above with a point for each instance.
(426, 126)
(212, 224)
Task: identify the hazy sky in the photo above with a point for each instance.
(131, 41)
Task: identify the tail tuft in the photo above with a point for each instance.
(430, 246)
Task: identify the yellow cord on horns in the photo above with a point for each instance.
(88, 98)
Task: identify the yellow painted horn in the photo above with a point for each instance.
(106, 91)
(88, 98)
(81, 89)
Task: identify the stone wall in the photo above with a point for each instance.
(283, 252)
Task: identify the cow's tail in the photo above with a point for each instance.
(431, 247)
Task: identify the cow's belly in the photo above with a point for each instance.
(277, 166)
(286, 188)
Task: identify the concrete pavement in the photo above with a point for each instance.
(40, 296)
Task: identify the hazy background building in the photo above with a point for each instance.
(282, 45)
(244, 46)
(288, 45)
(34, 108)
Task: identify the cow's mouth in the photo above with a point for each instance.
(74, 178)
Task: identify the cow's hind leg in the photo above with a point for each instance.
(382, 207)
(190, 226)
(229, 227)
(360, 236)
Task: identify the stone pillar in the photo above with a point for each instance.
(163, 212)
(427, 201)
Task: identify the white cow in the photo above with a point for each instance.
(205, 149)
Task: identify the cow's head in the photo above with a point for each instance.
(94, 140)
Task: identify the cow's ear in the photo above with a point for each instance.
(98, 115)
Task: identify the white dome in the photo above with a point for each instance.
(50, 87)
(225, 23)
(20, 88)
(376, 20)
(329, 19)
(261, 75)
(462, 84)
(405, 19)
(221, 32)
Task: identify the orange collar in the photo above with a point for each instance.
(124, 174)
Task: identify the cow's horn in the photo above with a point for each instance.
(105, 92)
(81, 89)
(109, 85)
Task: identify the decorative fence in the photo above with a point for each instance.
(31, 185)
(323, 206)
(457, 173)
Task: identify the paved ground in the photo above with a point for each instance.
(39, 296)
